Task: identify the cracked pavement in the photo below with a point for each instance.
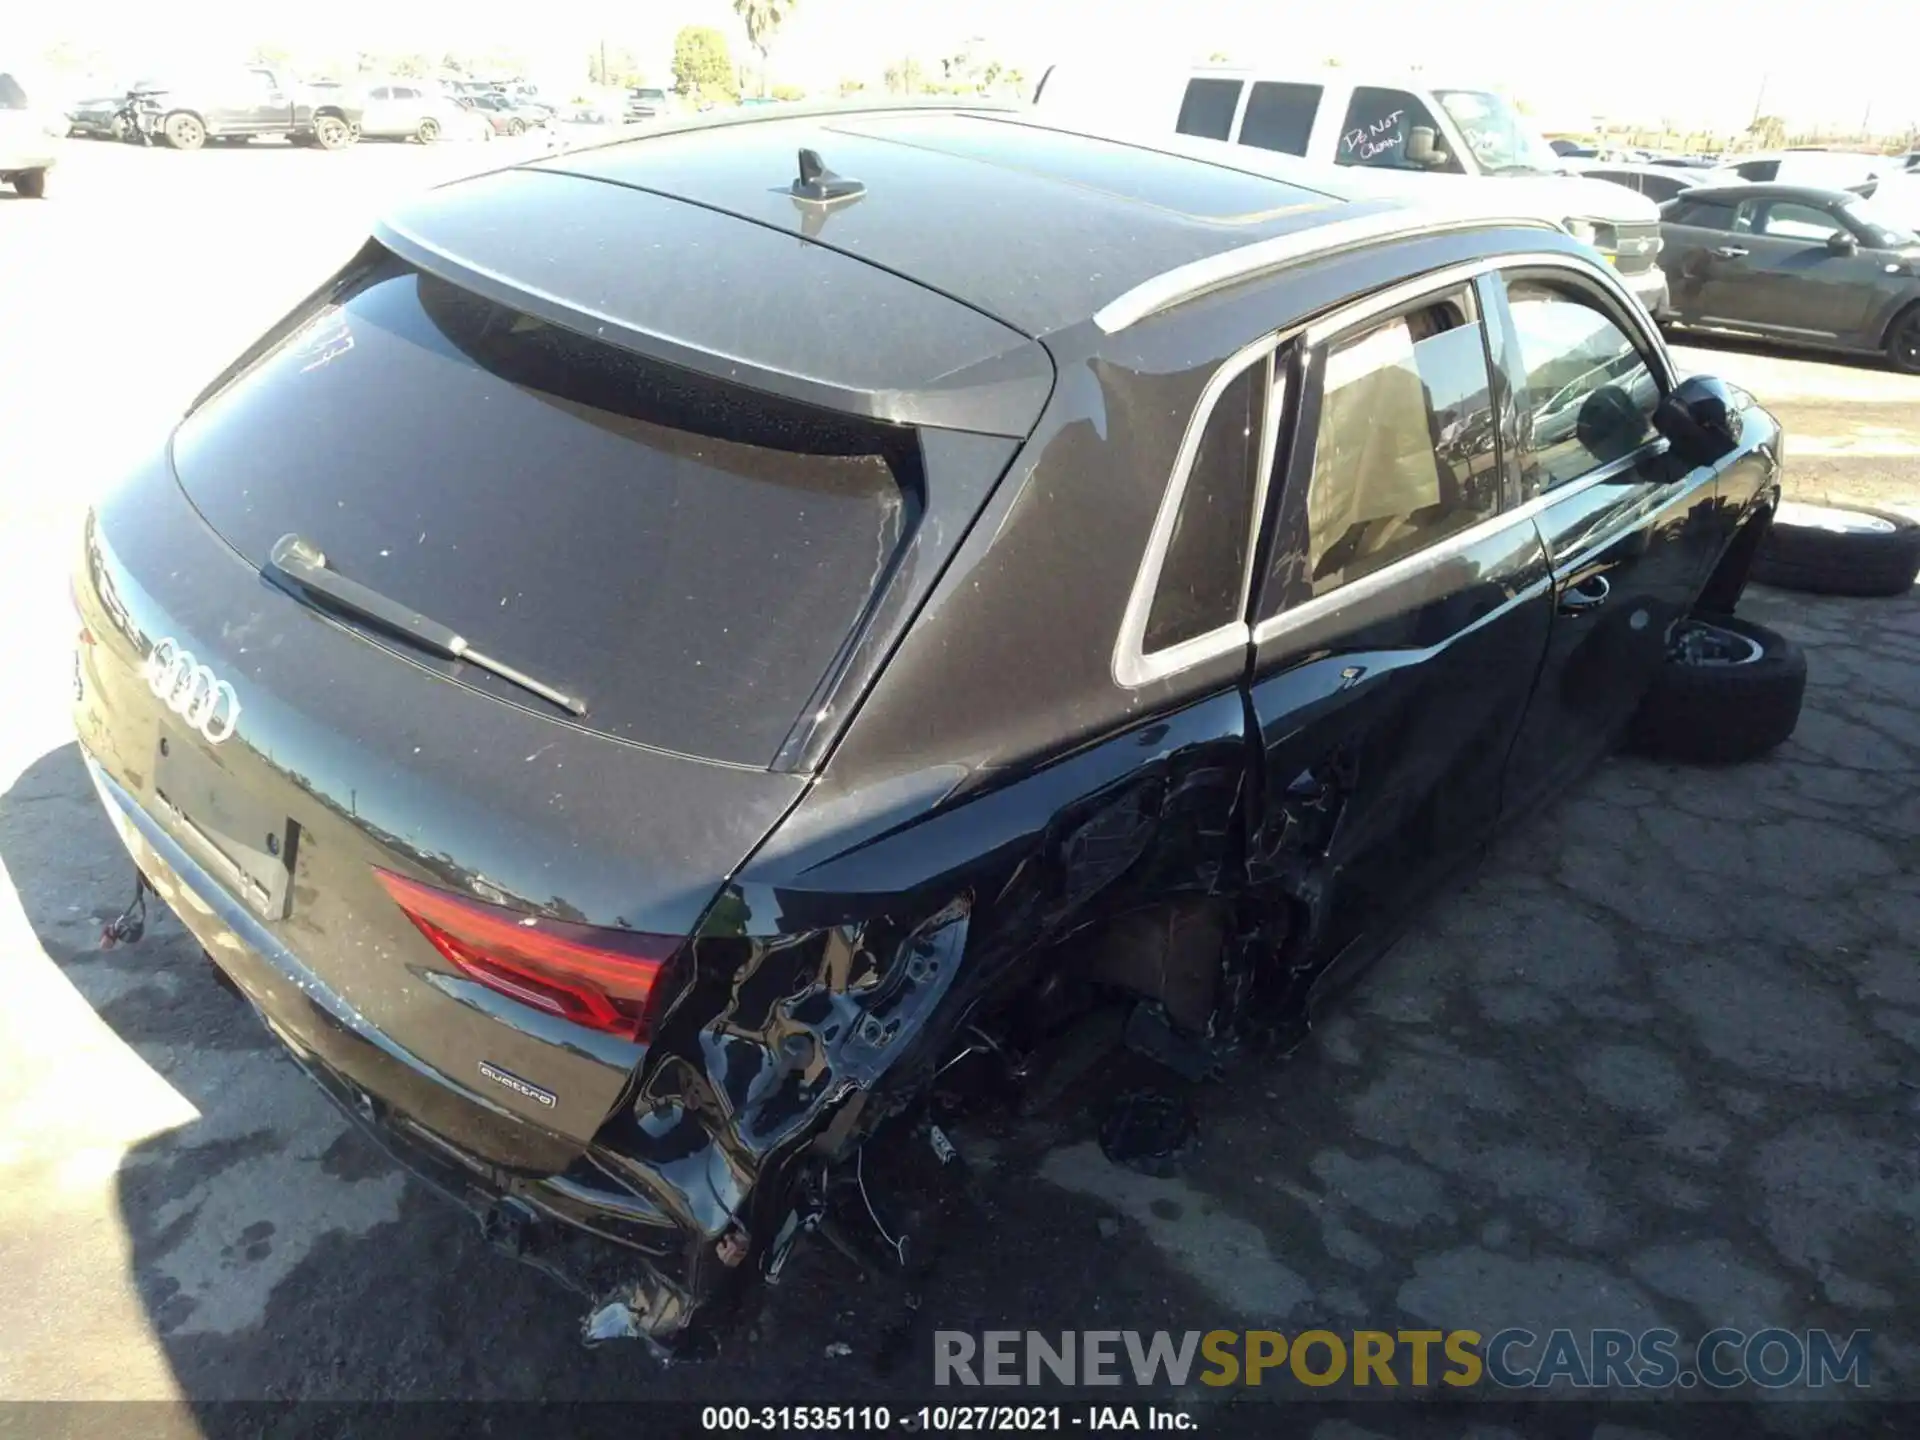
(1652, 1063)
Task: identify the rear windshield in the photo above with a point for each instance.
(689, 558)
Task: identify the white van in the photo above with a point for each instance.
(1394, 127)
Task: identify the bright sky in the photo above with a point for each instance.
(1694, 61)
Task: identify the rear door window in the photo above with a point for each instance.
(1705, 214)
(1405, 454)
(1280, 116)
(688, 557)
(1207, 110)
(1590, 393)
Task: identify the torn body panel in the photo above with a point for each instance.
(827, 984)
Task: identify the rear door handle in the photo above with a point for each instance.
(1730, 252)
(1586, 596)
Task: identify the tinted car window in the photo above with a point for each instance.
(1704, 214)
(1789, 220)
(1589, 394)
(1280, 117)
(1207, 110)
(1201, 577)
(12, 97)
(1662, 188)
(687, 556)
(1404, 454)
(1376, 128)
(1758, 171)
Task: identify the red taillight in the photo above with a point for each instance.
(603, 979)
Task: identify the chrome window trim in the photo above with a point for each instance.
(1308, 611)
(1189, 281)
(1132, 666)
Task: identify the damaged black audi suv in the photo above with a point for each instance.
(680, 641)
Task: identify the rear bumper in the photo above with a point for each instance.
(568, 1220)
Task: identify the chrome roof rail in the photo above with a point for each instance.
(1185, 282)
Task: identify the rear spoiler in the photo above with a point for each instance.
(730, 299)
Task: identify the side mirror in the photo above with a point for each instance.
(1701, 419)
(1420, 148)
(1842, 242)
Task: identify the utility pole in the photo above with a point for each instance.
(1759, 100)
(601, 78)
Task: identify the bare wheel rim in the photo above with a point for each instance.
(1836, 518)
(1696, 642)
(330, 132)
(429, 131)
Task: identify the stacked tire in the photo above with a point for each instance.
(1838, 550)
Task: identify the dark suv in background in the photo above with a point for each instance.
(684, 649)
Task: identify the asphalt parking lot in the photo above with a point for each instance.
(1658, 1062)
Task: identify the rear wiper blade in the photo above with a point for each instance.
(302, 563)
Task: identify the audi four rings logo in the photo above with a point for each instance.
(192, 691)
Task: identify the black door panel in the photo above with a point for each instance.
(1385, 722)
(1629, 552)
(1404, 618)
(1628, 529)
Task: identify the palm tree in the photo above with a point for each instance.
(762, 18)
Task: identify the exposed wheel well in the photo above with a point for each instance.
(1729, 579)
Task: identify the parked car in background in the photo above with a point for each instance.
(238, 105)
(1811, 266)
(413, 110)
(99, 117)
(1573, 149)
(973, 681)
(1658, 183)
(646, 102)
(506, 115)
(31, 136)
(1393, 127)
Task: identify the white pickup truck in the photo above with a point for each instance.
(29, 139)
(1397, 128)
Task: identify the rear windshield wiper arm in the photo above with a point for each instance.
(303, 564)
